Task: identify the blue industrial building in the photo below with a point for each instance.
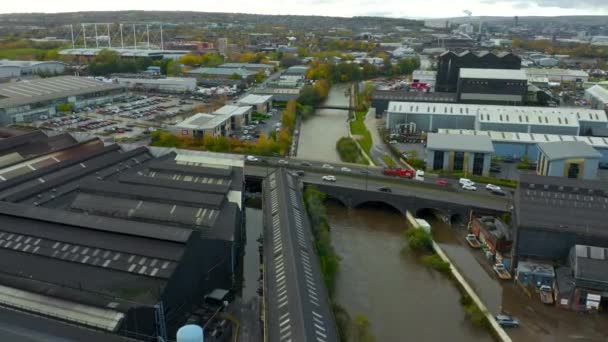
(518, 145)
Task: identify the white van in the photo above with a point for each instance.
(419, 175)
(464, 181)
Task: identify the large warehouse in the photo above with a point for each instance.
(449, 64)
(492, 86)
(13, 69)
(429, 117)
(26, 101)
(111, 239)
(167, 84)
(520, 145)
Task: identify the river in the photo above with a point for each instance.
(403, 299)
(319, 134)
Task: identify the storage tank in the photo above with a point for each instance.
(190, 333)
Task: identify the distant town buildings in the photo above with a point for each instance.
(13, 69)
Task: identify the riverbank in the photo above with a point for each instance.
(402, 298)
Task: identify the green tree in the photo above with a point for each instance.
(65, 107)
(363, 332)
(235, 76)
(174, 68)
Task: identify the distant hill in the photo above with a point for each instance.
(183, 17)
(577, 20)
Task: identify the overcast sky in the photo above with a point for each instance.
(347, 8)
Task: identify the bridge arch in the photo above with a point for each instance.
(378, 204)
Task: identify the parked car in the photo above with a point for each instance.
(492, 187)
(473, 241)
(252, 159)
(385, 189)
(495, 168)
(443, 182)
(329, 178)
(345, 169)
(502, 272)
(469, 187)
(463, 181)
(506, 321)
(283, 162)
(305, 163)
(498, 192)
(327, 166)
(509, 160)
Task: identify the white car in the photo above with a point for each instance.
(464, 181)
(327, 166)
(492, 187)
(345, 169)
(393, 142)
(329, 178)
(283, 162)
(252, 159)
(469, 187)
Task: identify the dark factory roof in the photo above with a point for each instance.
(562, 205)
(297, 301)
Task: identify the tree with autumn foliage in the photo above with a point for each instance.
(288, 118)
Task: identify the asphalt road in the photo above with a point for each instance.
(355, 177)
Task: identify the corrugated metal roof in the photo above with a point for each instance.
(467, 143)
(568, 149)
(499, 74)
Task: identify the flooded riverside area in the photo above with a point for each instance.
(403, 299)
(319, 134)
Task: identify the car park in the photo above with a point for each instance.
(329, 178)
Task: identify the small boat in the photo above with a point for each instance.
(472, 241)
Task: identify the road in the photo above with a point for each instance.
(371, 178)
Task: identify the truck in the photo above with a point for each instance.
(398, 172)
(546, 294)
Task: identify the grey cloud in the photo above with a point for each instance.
(554, 3)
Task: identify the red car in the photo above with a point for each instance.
(441, 182)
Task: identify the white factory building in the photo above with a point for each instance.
(430, 117)
(14, 69)
(168, 84)
(597, 97)
(558, 75)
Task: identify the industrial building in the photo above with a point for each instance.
(280, 94)
(90, 53)
(597, 97)
(429, 117)
(381, 98)
(167, 84)
(239, 115)
(255, 67)
(219, 124)
(470, 154)
(13, 69)
(449, 64)
(122, 241)
(496, 235)
(201, 124)
(571, 159)
(28, 100)
(260, 103)
(582, 284)
(553, 214)
(495, 86)
(525, 145)
(222, 73)
(558, 75)
(297, 306)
